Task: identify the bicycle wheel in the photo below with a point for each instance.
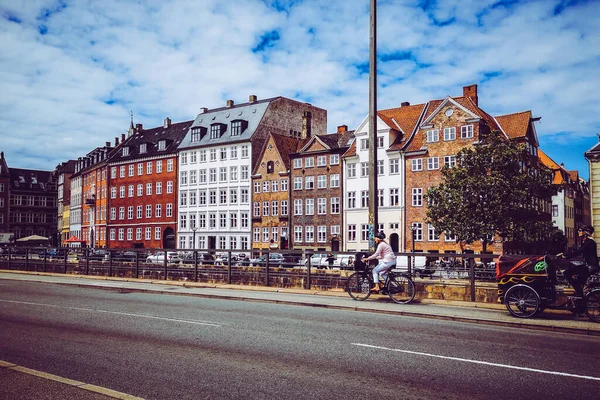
(522, 301)
(358, 286)
(401, 289)
(592, 305)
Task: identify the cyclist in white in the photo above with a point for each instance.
(386, 257)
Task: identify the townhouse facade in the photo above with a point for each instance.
(270, 193)
(32, 202)
(593, 158)
(394, 127)
(6, 235)
(317, 191)
(216, 160)
(142, 182)
(64, 171)
(75, 205)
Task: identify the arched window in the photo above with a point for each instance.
(270, 167)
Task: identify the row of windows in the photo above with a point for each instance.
(149, 209)
(394, 166)
(271, 186)
(433, 163)
(224, 173)
(158, 189)
(205, 155)
(309, 162)
(138, 234)
(235, 242)
(130, 169)
(309, 182)
(394, 198)
(306, 234)
(466, 132)
(33, 201)
(308, 206)
(269, 234)
(214, 220)
(32, 218)
(214, 197)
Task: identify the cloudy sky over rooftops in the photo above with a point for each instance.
(73, 70)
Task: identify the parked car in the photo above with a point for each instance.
(291, 260)
(53, 253)
(275, 259)
(203, 258)
(128, 256)
(344, 261)
(223, 259)
(318, 260)
(97, 254)
(159, 257)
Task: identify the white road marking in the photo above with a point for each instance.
(185, 321)
(541, 371)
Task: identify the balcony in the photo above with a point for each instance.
(91, 202)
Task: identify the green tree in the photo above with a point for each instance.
(496, 188)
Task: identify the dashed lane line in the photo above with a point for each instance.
(81, 385)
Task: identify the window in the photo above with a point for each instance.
(297, 234)
(121, 212)
(321, 161)
(450, 161)
(113, 213)
(309, 162)
(417, 164)
(433, 135)
(310, 206)
(183, 221)
(352, 233)
(139, 212)
(417, 197)
(202, 176)
(256, 187)
(192, 195)
(233, 196)
(275, 186)
(148, 233)
(417, 231)
(450, 133)
(236, 128)
(184, 158)
(466, 132)
(138, 233)
(159, 167)
(149, 189)
(183, 178)
(212, 175)
(121, 234)
(149, 168)
(298, 183)
(364, 198)
(380, 169)
(233, 173)
(380, 142)
(130, 212)
(148, 211)
(169, 210)
(122, 171)
(122, 192)
(196, 133)
(394, 197)
(364, 232)
(202, 155)
(162, 144)
(157, 233)
(130, 191)
(275, 208)
(322, 182)
(212, 197)
(244, 220)
(364, 169)
(223, 174)
(284, 207)
(222, 220)
(321, 206)
(321, 234)
(394, 166)
(364, 144)
(233, 152)
(215, 131)
(131, 169)
(169, 165)
(170, 187)
(334, 180)
(244, 195)
(265, 205)
(244, 151)
(297, 206)
(113, 173)
(351, 170)
(431, 234)
(555, 210)
(256, 209)
(244, 173)
(335, 205)
(334, 159)
(351, 199)
(284, 185)
(433, 163)
(380, 198)
(213, 154)
(223, 151)
(297, 163)
(193, 177)
(266, 186)
(309, 182)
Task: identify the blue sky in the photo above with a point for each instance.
(73, 70)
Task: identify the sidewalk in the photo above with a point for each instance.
(471, 312)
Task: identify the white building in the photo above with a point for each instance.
(216, 159)
(394, 127)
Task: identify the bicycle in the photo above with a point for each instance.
(398, 286)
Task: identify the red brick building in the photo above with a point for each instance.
(142, 181)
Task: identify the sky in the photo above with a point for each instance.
(72, 71)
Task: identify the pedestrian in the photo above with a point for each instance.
(588, 250)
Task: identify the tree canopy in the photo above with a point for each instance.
(496, 188)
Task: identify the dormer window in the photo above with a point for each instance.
(238, 127)
(125, 151)
(197, 133)
(216, 130)
(143, 148)
(162, 144)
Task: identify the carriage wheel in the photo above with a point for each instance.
(592, 305)
(522, 301)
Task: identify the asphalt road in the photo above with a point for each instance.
(166, 347)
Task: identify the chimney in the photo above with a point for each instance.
(342, 128)
(167, 123)
(229, 103)
(203, 110)
(471, 91)
(138, 128)
(404, 104)
(306, 125)
(107, 144)
(116, 141)
(252, 98)
(122, 137)
(597, 134)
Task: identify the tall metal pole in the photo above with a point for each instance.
(373, 189)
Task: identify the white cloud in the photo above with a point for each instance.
(71, 74)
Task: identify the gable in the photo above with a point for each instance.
(439, 113)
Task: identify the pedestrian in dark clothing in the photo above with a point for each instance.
(576, 275)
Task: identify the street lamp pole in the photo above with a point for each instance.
(412, 231)
(194, 229)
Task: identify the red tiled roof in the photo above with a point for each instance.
(515, 125)
(406, 118)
